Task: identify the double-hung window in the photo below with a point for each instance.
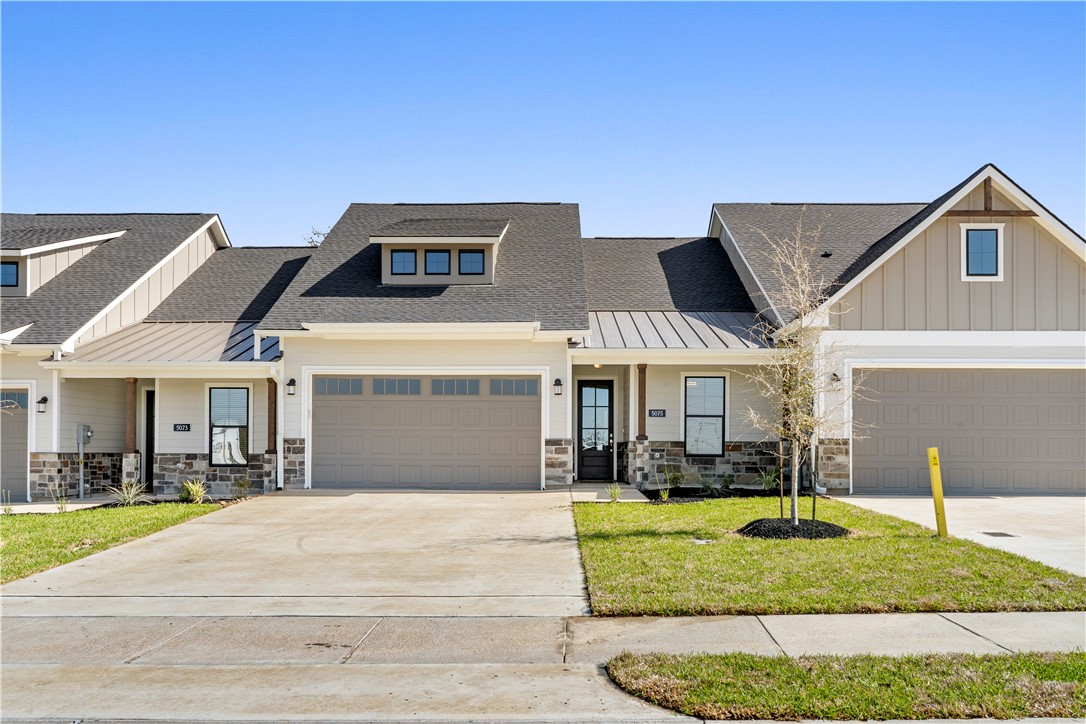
(229, 425)
(704, 413)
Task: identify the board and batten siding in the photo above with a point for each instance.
(920, 287)
(664, 390)
(40, 268)
(186, 402)
(139, 302)
(95, 402)
(395, 354)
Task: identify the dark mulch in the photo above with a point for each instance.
(781, 528)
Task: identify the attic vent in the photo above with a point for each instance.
(826, 254)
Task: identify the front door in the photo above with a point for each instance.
(149, 439)
(595, 422)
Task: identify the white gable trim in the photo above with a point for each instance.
(1050, 222)
(61, 244)
(221, 240)
(727, 232)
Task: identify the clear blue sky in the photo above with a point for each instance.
(276, 116)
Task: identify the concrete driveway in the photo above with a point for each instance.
(334, 554)
(1050, 529)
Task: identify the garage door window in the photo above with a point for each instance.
(519, 388)
(454, 387)
(229, 425)
(337, 386)
(396, 386)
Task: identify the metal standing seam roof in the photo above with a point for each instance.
(165, 342)
(672, 330)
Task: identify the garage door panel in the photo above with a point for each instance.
(438, 437)
(998, 431)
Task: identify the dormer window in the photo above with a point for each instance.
(982, 252)
(438, 261)
(403, 262)
(9, 274)
(472, 262)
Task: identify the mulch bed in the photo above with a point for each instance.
(782, 528)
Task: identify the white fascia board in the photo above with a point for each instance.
(761, 289)
(452, 330)
(9, 336)
(437, 240)
(46, 248)
(69, 344)
(965, 339)
(187, 370)
(1057, 228)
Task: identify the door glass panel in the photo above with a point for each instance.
(588, 396)
(595, 418)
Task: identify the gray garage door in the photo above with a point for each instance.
(427, 431)
(13, 440)
(1000, 432)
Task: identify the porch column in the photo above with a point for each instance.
(642, 402)
(130, 414)
(273, 400)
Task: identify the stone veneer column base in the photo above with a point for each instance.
(171, 469)
(833, 465)
(558, 461)
(130, 466)
(647, 462)
(293, 463)
(57, 474)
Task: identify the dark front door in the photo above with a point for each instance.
(595, 421)
(149, 439)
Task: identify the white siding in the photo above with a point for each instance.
(664, 390)
(95, 402)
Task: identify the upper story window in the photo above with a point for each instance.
(403, 261)
(982, 252)
(437, 261)
(472, 262)
(9, 274)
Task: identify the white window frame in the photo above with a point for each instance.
(1000, 259)
(727, 410)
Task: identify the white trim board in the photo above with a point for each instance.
(57, 245)
(31, 421)
(727, 232)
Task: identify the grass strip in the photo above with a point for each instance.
(652, 560)
(943, 686)
(31, 543)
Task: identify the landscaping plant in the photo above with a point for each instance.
(129, 492)
(241, 488)
(614, 491)
(192, 491)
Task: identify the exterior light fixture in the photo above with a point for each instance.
(292, 386)
(597, 365)
(557, 387)
(42, 402)
(835, 378)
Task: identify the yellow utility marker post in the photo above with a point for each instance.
(937, 490)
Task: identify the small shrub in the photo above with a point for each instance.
(768, 478)
(614, 491)
(241, 488)
(129, 492)
(192, 491)
(674, 478)
(665, 493)
(59, 499)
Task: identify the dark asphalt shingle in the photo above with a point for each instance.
(235, 284)
(444, 227)
(539, 274)
(688, 274)
(65, 303)
(14, 236)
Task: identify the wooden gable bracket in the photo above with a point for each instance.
(988, 210)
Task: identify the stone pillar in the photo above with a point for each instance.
(558, 461)
(273, 401)
(130, 466)
(130, 415)
(642, 402)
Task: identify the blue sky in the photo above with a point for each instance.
(277, 116)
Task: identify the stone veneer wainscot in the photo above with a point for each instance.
(173, 469)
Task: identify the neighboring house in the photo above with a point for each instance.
(484, 345)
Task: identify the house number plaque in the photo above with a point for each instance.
(657, 413)
(182, 427)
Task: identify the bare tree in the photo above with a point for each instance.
(805, 392)
(315, 236)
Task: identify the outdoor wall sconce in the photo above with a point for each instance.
(42, 402)
(557, 387)
(835, 378)
(292, 386)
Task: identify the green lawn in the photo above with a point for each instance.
(955, 686)
(31, 543)
(643, 560)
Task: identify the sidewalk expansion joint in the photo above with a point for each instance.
(981, 636)
(365, 636)
(165, 641)
(770, 635)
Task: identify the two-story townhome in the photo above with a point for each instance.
(491, 346)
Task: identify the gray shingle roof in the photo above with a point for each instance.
(65, 303)
(14, 236)
(687, 274)
(444, 227)
(539, 274)
(239, 283)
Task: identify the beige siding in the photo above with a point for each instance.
(619, 374)
(26, 368)
(920, 287)
(426, 353)
(664, 391)
(95, 402)
(453, 277)
(186, 401)
(138, 303)
(43, 267)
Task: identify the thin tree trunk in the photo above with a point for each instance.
(795, 483)
(814, 479)
(780, 471)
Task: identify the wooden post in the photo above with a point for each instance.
(130, 415)
(988, 194)
(273, 402)
(642, 402)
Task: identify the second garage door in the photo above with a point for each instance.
(426, 431)
(1002, 432)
